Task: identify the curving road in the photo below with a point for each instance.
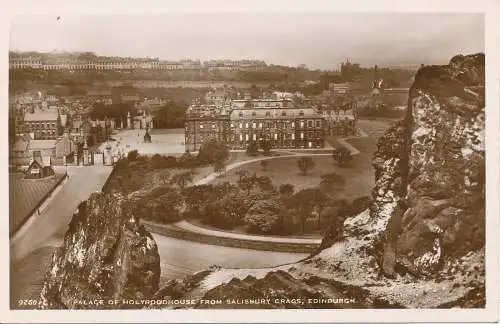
(190, 227)
(180, 258)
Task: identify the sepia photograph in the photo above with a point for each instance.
(247, 161)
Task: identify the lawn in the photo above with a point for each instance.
(25, 195)
(358, 175)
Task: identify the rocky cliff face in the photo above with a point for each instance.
(106, 255)
(431, 170)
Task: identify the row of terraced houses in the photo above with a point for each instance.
(72, 61)
(283, 122)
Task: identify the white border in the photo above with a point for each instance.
(491, 8)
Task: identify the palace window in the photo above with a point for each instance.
(241, 125)
(309, 123)
(301, 135)
(293, 136)
(246, 137)
(254, 136)
(301, 124)
(260, 125)
(241, 114)
(293, 124)
(241, 137)
(201, 126)
(275, 136)
(246, 125)
(318, 123)
(283, 113)
(301, 113)
(254, 114)
(254, 125)
(268, 114)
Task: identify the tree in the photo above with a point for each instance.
(182, 179)
(286, 189)
(342, 155)
(305, 201)
(170, 115)
(132, 155)
(247, 182)
(241, 174)
(165, 208)
(252, 148)
(265, 216)
(330, 182)
(264, 164)
(163, 177)
(212, 151)
(305, 164)
(265, 183)
(157, 162)
(187, 160)
(265, 145)
(195, 196)
(219, 166)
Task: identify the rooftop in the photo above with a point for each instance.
(41, 115)
(42, 144)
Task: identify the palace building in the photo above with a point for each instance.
(204, 122)
(278, 121)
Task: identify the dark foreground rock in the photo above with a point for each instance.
(106, 255)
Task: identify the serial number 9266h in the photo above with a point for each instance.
(29, 302)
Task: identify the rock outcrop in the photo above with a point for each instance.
(431, 180)
(106, 255)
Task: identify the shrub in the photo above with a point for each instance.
(305, 164)
(253, 148)
(265, 216)
(286, 189)
(157, 162)
(264, 164)
(132, 155)
(212, 151)
(186, 160)
(330, 182)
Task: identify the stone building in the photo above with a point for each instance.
(204, 122)
(43, 124)
(280, 122)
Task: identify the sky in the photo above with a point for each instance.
(321, 41)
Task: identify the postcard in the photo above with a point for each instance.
(230, 163)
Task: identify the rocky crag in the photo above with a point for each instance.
(106, 255)
(420, 244)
